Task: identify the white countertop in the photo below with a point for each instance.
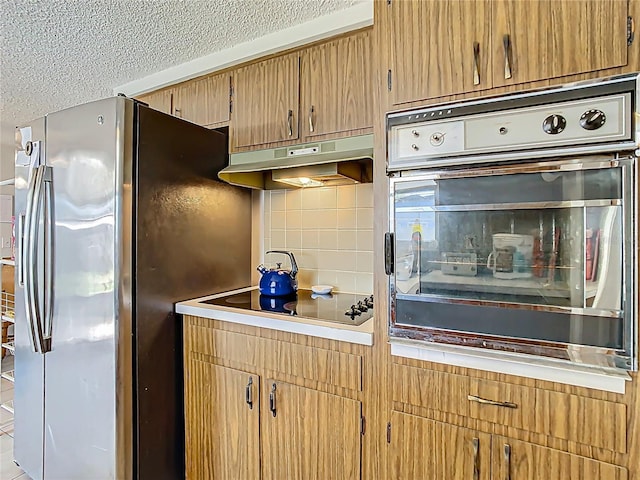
(361, 334)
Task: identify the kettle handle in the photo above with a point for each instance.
(294, 265)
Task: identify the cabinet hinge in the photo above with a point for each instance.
(362, 424)
(389, 432)
(389, 80)
(631, 30)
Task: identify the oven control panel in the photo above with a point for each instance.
(474, 132)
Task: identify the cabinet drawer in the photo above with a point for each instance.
(311, 363)
(569, 417)
(444, 392)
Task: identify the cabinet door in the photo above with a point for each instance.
(204, 101)
(553, 38)
(160, 101)
(433, 48)
(515, 460)
(430, 450)
(266, 98)
(222, 428)
(337, 91)
(313, 435)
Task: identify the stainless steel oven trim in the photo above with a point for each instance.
(630, 254)
(450, 107)
(602, 357)
(519, 206)
(628, 361)
(511, 340)
(539, 92)
(571, 164)
(423, 162)
(431, 298)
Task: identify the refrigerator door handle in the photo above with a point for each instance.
(47, 179)
(25, 258)
(32, 278)
(19, 246)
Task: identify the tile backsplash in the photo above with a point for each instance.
(328, 229)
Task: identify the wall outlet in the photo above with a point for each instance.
(6, 242)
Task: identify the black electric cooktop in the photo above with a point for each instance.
(346, 308)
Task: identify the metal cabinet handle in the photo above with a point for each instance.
(476, 458)
(506, 44)
(272, 400)
(311, 111)
(476, 58)
(290, 122)
(484, 401)
(248, 394)
(507, 461)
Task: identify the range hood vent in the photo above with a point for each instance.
(345, 161)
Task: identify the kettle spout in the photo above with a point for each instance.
(262, 269)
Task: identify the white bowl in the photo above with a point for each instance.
(321, 289)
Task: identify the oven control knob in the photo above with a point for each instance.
(554, 124)
(592, 119)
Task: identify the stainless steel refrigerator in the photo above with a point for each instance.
(119, 214)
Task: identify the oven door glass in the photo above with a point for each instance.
(546, 241)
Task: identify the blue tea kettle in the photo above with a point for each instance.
(278, 282)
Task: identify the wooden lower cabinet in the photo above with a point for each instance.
(426, 449)
(264, 408)
(516, 460)
(313, 435)
(233, 434)
(222, 411)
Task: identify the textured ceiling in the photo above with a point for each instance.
(59, 53)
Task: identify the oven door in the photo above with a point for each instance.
(536, 258)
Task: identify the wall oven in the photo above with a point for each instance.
(513, 223)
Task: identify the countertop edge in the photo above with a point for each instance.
(361, 335)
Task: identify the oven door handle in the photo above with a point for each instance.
(388, 253)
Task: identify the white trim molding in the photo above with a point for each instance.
(352, 18)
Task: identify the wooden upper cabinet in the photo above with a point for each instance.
(554, 38)
(160, 101)
(313, 435)
(430, 450)
(266, 98)
(518, 460)
(438, 48)
(222, 429)
(204, 101)
(337, 90)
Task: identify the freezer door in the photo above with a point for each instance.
(85, 150)
(29, 365)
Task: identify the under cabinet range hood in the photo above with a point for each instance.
(344, 161)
